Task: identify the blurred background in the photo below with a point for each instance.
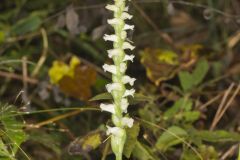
(52, 82)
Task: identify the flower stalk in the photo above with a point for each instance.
(117, 88)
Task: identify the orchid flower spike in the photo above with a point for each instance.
(118, 108)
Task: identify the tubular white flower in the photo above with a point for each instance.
(127, 121)
(126, 79)
(112, 8)
(110, 68)
(127, 45)
(124, 105)
(129, 93)
(128, 58)
(128, 27)
(112, 38)
(108, 107)
(113, 52)
(113, 86)
(125, 15)
(114, 21)
(126, 9)
(113, 130)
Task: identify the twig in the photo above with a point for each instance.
(229, 152)
(221, 105)
(57, 118)
(233, 40)
(23, 37)
(25, 84)
(229, 102)
(44, 53)
(210, 102)
(19, 77)
(222, 109)
(63, 116)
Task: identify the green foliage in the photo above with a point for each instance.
(26, 25)
(207, 152)
(12, 132)
(49, 141)
(172, 136)
(138, 98)
(142, 152)
(132, 134)
(188, 80)
(2, 37)
(182, 110)
(217, 136)
(102, 96)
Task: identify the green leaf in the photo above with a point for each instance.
(174, 135)
(132, 134)
(147, 115)
(13, 131)
(48, 140)
(217, 136)
(29, 24)
(189, 155)
(4, 154)
(186, 80)
(138, 98)
(200, 71)
(142, 152)
(133, 100)
(191, 116)
(2, 37)
(182, 104)
(102, 96)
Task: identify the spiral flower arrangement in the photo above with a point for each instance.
(117, 88)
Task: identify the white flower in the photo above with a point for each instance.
(128, 27)
(127, 45)
(127, 122)
(110, 68)
(126, 79)
(113, 86)
(115, 21)
(126, 9)
(113, 52)
(129, 93)
(108, 107)
(114, 130)
(128, 58)
(112, 37)
(124, 105)
(112, 8)
(125, 15)
(123, 67)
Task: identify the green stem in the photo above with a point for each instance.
(119, 157)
